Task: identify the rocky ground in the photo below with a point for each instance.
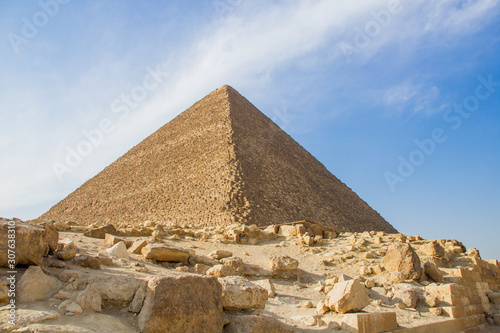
(297, 277)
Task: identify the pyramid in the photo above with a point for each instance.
(219, 162)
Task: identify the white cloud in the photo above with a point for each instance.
(416, 25)
(428, 101)
(453, 16)
(244, 49)
(401, 94)
(416, 98)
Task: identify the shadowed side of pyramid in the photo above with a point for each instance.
(283, 182)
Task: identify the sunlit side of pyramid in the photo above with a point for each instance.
(219, 162)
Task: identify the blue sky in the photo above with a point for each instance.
(398, 99)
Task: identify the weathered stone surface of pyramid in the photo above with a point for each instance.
(219, 162)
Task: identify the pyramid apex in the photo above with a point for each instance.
(227, 88)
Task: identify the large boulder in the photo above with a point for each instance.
(219, 254)
(282, 263)
(283, 266)
(255, 324)
(235, 263)
(112, 240)
(51, 235)
(66, 249)
(101, 231)
(136, 304)
(432, 249)
(406, 298)
(32, 242)
(406, 295)
(239, 293)
(182, 303)
(433, 272)
(402, 258)
(73, 308)
(288, 230)
(90, 299)
(118, 250)
(268, 285)
(35, 285)
(347, 296)
(117, 290)
(165, 252)
(88, 261)
(137, 246)
(222, 271)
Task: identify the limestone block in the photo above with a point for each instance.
(239, 293)
(112, 240)
(369, 322)
(182, 303)
(164, 252)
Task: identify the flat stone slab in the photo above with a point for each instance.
(26, 317)
(165, 252)
(369, 322)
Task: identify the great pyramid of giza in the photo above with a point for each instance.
(219, 162)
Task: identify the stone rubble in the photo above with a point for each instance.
(376, 273)
(208, 249)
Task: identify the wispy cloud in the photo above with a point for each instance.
(400, 94)
(244, 48)
(416, 98)
(416, 24)
(460, 17)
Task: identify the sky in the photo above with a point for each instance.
(398, 99)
